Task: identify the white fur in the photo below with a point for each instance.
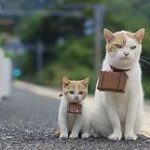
(73, 123)
(118, 115)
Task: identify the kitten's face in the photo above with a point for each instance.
(123, 48)
(75, 91)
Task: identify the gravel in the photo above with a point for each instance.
(43, 139)
(27, 122)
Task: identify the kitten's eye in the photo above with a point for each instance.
(133, 47)
(71, 92)
(81, 92)
(118, 45)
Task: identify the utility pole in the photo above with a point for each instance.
(98, 17)
(39, 55)
(98, 13)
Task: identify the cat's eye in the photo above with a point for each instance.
(118, 45)
(71, 92)
(81, 92)
(133, 47)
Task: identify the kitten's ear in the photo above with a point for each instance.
(139, 35)
(109, 36)
(85, 82)
(65, 81)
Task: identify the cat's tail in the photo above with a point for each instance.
(60, 95)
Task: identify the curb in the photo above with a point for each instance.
(39, 90)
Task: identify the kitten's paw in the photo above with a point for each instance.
(63, 135)
(130, 137)
(73, 135)
(95, 135)
(114, 136)
(85, 135)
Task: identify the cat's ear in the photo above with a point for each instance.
(85, 82)
(139, 35)
(65, 81)
(109, 36)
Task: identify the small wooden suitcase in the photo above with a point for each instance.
(74, 108)
(112, 81)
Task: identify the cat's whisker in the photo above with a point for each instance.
(145, 61)
(145, 57)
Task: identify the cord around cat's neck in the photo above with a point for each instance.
(118, 70)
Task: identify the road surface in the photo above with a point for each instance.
(27, 121)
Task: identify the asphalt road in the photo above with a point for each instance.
(27, 122)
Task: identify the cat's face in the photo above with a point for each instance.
(123, 48)
(75, 91)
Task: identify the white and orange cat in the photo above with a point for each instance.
(118, 115)
(73, 91)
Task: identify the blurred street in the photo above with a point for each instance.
(25, 113)
(27, 121)
(26, 106)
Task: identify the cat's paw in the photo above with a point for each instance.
(73, 135)
(95, 134)
(63, 135)
(130, 137)
(114, 136)
(85, 135)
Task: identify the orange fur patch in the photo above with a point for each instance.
(120, 40)
(76, 85)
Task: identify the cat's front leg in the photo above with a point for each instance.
(86, 130)
(131, 116)
(76, 128)
(62, 120)
(114, 119)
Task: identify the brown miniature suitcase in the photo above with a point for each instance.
(112, 81)
(74, 108)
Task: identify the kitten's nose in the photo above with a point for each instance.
(76, 97)
(126, 53)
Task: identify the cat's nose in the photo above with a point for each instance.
(126, 54)
(76, 97)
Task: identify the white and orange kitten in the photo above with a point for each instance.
(118, 115)
(73, 91)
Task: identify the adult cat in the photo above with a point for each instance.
(118, 115)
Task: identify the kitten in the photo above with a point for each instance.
(73, 91)
(118, 115)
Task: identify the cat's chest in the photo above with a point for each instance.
(71, 119)
(122, 106)
(120, 100)
(133, 82)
